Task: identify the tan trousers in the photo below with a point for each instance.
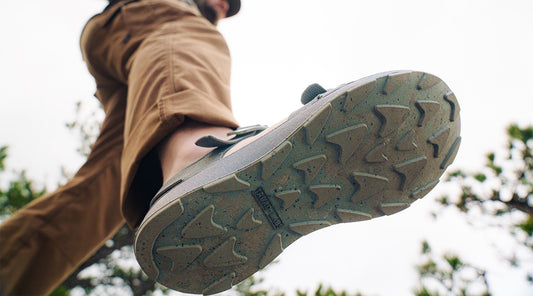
(155, 63)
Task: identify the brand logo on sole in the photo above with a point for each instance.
(266, 206)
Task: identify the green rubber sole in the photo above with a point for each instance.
(366, 149)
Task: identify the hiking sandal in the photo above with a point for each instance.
(357, 152)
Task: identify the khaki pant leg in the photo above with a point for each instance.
(49, 238)
(175, 65)
(180, 69)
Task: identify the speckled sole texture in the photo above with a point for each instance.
(363, 150)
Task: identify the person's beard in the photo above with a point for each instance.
(208, 12)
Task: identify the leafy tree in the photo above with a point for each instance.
(501, 192)
(248, 287)
(450, 274)
(327, 292)
(19, 192)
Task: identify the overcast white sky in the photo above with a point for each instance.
(481, 48)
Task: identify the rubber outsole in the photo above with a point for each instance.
(366, 149)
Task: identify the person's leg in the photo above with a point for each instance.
(178, 81)
(49, 238)
(180, 150)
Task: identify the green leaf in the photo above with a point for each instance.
(60, 291)
(425, 247)
(491, 157)
(454, 262)
(527, 226)
(480, 177)
(424, 292)
(514, 131)
(497, 169)
(429, 268)
(456, 174)
(3, 156)
(444, 201)
(318, 291)
(20, 192)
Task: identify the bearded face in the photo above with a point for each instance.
(213, 10)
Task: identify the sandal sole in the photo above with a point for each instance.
(366, 149)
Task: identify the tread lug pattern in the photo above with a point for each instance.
(377, 154)
(348, 140)
(451, 154)
(427, 110)
(368, 185)
(222, 284)
(352, 216)
(181, 256)
(392, 116)
(422, 191)
(203, 226)
(370, 148)
(454, 106)
(225, 255)
(275, 247)
(307, 227)
(438, 140)
(273, 161)
(324, 194)
(228, 184)
(289, 197)
(393, 207)
(407, 142)
(314, 126)
(355, 97)
(427, 81)
(410, 169)
(393, 82)
(311, 166)
(248, 221)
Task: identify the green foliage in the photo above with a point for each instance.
(86, 127)
(502, 191)
(426, 249)
(507, 183)
(449, 275)
(20, 190)
(527, 226)
(425, 292)
(61, 291)
(248, 287)
(521, 134)
(454, 262)
(480, 177)
(3, 155)
(490, 164)
(320, 291)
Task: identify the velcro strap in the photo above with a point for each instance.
(239, 135)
